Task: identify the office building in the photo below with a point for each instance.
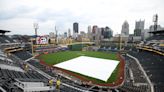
(139, 28)
(69, 32)
(89, 34)
(75, 29)
(108, 33)
(65, 34)
(125, 28)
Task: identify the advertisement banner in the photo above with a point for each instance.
(42, 40)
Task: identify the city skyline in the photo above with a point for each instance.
(18, 16)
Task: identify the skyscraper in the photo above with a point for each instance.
(52, 35)
(107, 33)
(102, 31)
(69, 32)
(89, 29)
(65, 34)
(94, 31)
(140, 24)
(89, 32)
(125, 28)
(139, 27)
(75, 29)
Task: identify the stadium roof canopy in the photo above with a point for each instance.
(158, 32)
(89, 66)
(4, 31)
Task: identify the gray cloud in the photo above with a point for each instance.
(112, 13)
(15, 12)
(49, 14)
(63, 18)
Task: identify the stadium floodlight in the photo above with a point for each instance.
(56, 31)
(155, 20)
(36, 26)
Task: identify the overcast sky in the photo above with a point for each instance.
(18, 16)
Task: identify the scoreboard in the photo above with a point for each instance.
(42, 40)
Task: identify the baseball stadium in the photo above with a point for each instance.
(79, 66)
(95, 61)
(82, 46)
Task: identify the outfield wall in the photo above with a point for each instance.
(76, 47)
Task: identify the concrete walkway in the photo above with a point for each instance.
(3, 66)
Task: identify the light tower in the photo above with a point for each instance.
(56, 35)
(155, 20)
(36, 26)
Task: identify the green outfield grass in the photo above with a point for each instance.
(58, 57)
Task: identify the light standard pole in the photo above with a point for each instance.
(155, 20)
(56, 35)
(36, 26)
(120, 41)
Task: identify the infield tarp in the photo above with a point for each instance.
(89, 66)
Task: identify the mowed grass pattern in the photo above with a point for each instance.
(55, 58)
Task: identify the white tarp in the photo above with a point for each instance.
(93, 67)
